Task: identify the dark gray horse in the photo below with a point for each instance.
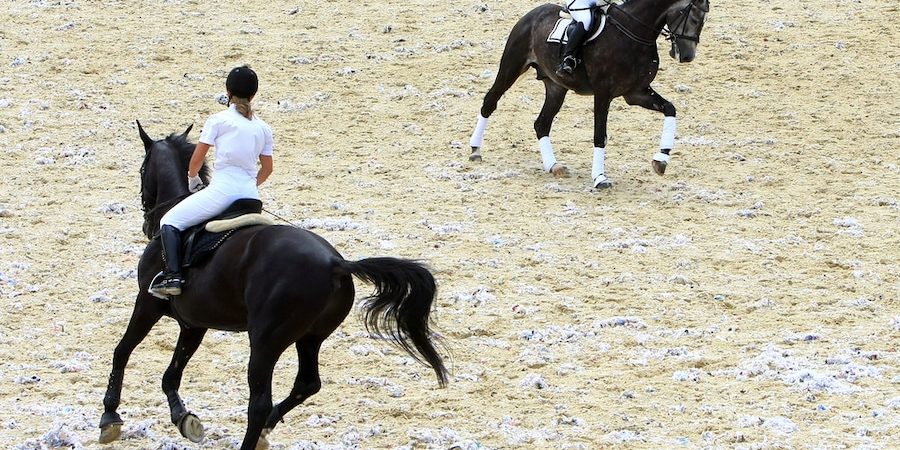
(283, 285)
(621, 61)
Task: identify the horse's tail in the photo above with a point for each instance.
(399, 308)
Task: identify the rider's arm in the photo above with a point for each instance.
(265, 169)
(197, 159)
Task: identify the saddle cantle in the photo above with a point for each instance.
(200, 241)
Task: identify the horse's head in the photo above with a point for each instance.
(685, 22)
(164, 175)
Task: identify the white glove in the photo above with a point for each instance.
(195, 184)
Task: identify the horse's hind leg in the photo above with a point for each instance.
(188, 424)
(144, 317)
(648, 98)
(513, 64)
(263, 356)
(554, 97)
(307, 382)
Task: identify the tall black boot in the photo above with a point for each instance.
(576, 34)
(169, 282)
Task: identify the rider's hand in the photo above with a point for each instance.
(195, 183)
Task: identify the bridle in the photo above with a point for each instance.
(678, 32)
(679, 29)
(144, 200)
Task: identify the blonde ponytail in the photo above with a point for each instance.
(243, 106)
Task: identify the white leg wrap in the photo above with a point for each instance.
(667, 140)
(547, 155)
(661, 157)
(478, 134)
(599, 167)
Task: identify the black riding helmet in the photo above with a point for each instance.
(242, 82)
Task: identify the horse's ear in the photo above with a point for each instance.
(147, 141)
(185, 134)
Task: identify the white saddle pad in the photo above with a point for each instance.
(558, 33)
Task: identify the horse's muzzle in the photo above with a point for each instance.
(680, 55)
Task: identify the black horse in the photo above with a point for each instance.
(282, 284)
(622, 61)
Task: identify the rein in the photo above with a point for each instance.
(150, 214)
(280, 218)
(166, 204)
(630, 34)
(669, 35)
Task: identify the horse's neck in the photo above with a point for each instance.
(649, 12)
(171, 185)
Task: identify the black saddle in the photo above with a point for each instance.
(199, 244)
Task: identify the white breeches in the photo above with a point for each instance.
(581, 12)
(222, 191)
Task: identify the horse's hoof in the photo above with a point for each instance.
(476, 154)
(559, 171)
(263, 442)
(191, 428)
(659, 167)
(111, 432)
(660, 161)
(602, 182)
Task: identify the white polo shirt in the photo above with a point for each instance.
(238, 142)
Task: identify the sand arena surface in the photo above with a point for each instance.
(747, 299)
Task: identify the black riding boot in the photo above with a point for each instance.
(169, 281)
(576, 34)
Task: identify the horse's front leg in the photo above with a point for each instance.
(144, 317)
(512, 65)
(598, 169)
(554, 96)
(188, 424)
(648, 98)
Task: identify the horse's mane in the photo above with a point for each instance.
(185, 151)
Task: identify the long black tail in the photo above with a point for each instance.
(400, 306)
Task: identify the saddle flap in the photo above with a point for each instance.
(199, 244)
